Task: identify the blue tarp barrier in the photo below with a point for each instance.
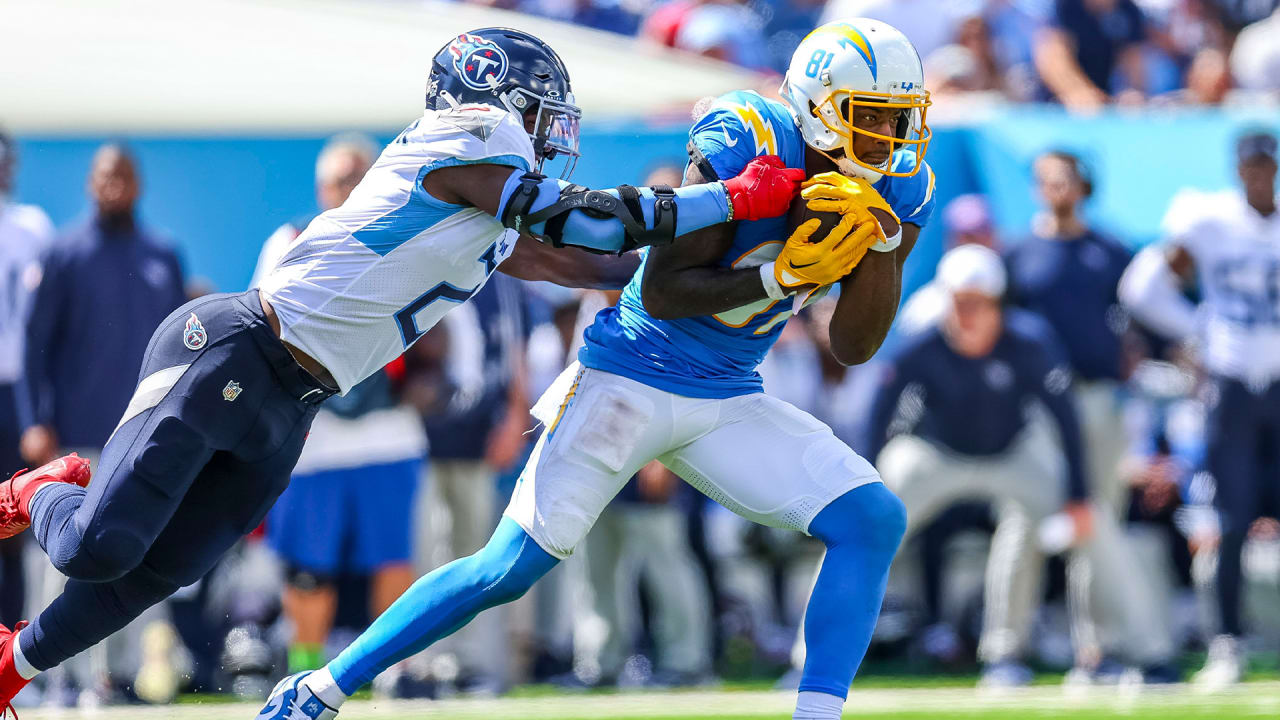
(220, 197)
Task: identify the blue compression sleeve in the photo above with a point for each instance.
(698, 206)
(443, 601)
(862, 530)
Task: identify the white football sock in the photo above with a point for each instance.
(818, 706)
(20, 663)
(321, 683)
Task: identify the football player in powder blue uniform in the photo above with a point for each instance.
(670, 373)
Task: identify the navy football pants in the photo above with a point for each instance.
(1243, 447)
(205, 448)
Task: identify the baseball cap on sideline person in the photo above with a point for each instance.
(972, 268)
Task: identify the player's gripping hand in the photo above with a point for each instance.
(836, 193)
(806, 262)
(763, 189)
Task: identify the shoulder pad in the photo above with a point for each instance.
(735, 130)
(481, 121)
(468, 133)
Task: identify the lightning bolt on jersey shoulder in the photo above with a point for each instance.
(741, 125)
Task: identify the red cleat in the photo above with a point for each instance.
(10, 681)
(16, 492)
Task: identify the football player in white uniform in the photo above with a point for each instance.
(670, 372)
(230, 383)
(1229, 243)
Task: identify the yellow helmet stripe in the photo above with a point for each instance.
(851, 36)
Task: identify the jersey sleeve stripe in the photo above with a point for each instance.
(928, 193)
(515, 161)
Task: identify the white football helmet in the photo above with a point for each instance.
(854, 63)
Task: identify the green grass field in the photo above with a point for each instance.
(1253, 700)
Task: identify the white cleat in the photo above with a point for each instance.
(1225, 666)
(291, 700)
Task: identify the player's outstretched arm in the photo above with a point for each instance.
(681, 280)
(569, 267)
(868, 302)
(618, 219)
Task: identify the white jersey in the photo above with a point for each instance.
(1237, 257)
(367, 279)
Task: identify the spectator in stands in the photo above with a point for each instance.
(619, 16)
(1230, 243)
(1067, 273)
(968, 64)
(786, 24)
(1236, 15)
(358, 470)
(1208, 78)
(106, 284)
(1086, 45)
(25, 234)
(949, 424)
(663, 24)
(476, 413)
(1255, 59)
(729, 31)
(929, 23)
(1014, 25)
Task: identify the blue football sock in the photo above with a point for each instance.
(862, 530)
(87, 612)
(443, 601)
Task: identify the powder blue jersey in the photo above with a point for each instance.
(715, 356)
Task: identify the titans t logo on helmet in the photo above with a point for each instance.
(479, 62)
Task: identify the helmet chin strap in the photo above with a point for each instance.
(849, 168)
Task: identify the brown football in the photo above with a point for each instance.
(799, 213)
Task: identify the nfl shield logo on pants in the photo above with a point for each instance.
(231, 391)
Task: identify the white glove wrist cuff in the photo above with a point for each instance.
(889, 244)
(771, 286)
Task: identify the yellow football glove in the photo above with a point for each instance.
(833, 192)
(825, 261)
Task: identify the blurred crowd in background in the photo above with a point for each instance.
(1080, 53)
(413, 467)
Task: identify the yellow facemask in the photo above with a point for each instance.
(916, 135)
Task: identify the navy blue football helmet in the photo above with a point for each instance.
(517, 72)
